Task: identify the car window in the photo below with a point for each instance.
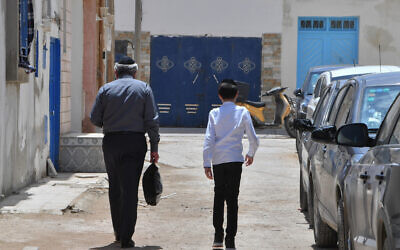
(313, 81)
(336, 105)
(319, 110)
(386, 127)
(344, 110)
(376, 102)
(395, 138)
(317, 87)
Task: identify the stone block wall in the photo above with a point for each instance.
(66, 52)
(271, 69)
(144, 67)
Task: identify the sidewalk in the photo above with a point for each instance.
(52, 195)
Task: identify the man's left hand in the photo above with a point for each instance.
(154, 157)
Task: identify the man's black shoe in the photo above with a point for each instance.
(128, 244)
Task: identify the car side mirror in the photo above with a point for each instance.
(303, 125)
(324, 135)
(298, 93)
(353, 135)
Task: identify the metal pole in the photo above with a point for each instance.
(138, 31)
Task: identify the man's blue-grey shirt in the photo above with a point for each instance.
(127, 104)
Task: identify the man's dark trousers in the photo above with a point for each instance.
(124, 154)
(227, 182)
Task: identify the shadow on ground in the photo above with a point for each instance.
(259, 130)
(115, 245)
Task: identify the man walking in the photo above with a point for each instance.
(223, 149)
(125, 109)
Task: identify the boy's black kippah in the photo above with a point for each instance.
(126, 60)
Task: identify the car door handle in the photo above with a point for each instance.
(380, 177)
(364, 176)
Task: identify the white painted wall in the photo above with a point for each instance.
(23, 108)
(243, 18)
(76, 66)
(379, 24)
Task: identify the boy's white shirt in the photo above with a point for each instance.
(225, 129)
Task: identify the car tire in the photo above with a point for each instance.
(303, 195)
(324, 236)
(343, 234)
(310, 204)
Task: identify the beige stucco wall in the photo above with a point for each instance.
(379, 23)
(191, 17)
(24, 112)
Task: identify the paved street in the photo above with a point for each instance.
(268, 206)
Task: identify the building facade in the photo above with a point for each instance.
(252, 28)
(40, 107)
(295, 35)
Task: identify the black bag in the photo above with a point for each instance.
(152, 186)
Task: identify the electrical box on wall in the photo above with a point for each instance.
(14, 74)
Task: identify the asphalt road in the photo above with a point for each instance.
(269, 216)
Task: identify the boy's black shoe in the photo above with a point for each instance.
(230, 243)
(128, 244)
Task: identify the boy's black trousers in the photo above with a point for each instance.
(227, 182)
(124, 154)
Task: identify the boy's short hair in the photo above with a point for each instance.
(228, 89)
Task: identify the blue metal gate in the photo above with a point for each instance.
(325, 41)
(185, 72)
(54, 102)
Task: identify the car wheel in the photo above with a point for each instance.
(343, 234)
(303, 194)
(310, 204)
(324, 236)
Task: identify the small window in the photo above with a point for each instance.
(343, 24)
(311, 23)
(26, 34)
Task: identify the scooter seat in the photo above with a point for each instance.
(256, 104)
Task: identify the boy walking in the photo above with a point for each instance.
(223, 149)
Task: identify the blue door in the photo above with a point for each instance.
(325, 41)
(54, 102)
(185, 72)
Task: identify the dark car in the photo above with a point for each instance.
(362, 99)
(372, 201)
(308, 146)
(305, 93)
